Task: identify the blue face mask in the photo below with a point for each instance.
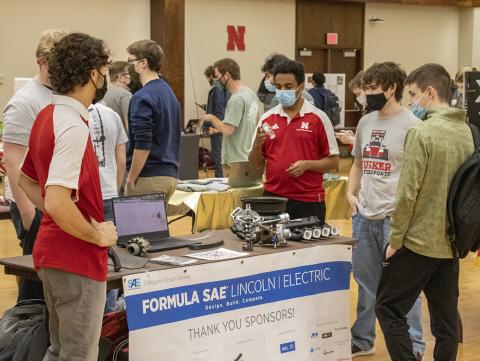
(286, 97)
(419, 111)
(270, 87)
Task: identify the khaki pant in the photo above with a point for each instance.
(148, 185)
(75, 305)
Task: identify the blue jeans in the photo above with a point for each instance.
(373, 238)
(216, 140)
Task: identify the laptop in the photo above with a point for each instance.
(243, 175)
(145, 216)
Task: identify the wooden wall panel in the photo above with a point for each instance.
(316, 18)
(459, 3)
(167, 27)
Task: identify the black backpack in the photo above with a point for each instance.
(23, 332)
(463, 203)
(331, 106)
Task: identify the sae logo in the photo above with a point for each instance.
(134, 283)
(287, 347)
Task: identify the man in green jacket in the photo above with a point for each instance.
(419, 256)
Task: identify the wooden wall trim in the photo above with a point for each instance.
(458, 3)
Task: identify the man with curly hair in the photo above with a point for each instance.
(378, 159)
(18, 117)
(60, 176)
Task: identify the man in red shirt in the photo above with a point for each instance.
(60, 176)
(300, 147)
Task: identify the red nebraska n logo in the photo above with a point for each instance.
(236, 38)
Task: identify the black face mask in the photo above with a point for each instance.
(100, 92)
(221, 85)
(376, 101)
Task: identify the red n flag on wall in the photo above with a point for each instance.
(236, 38)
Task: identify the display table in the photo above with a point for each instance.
(285, 297)
(22, 266)
(211, 210)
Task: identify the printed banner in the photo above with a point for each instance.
(284, 306)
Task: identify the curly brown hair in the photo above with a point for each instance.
(386, 75)
(73, 58)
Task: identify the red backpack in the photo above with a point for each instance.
(205, 159)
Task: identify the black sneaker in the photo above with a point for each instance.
(419, 356)
(357, 352)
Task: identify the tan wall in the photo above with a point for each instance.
(476, 38)
(412, 35)
(118, 22)
(270, 26)
(465, 37)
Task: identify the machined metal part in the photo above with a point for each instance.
(275, 231)
(325, 232)
(281, 218)
(246, 224)
(248, 247)
(334, 231)
(138, 246)
(236, 211)
(283, 233)
(284, 218)
(307, 234)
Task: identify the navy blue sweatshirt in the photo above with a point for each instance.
(154, 124)
(217, 102)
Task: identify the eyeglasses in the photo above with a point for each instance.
(131, 61)
(125, 74)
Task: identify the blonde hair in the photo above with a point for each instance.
(462, 71)
(47, 41)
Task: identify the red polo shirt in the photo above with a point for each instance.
(307, 136)
(61, 153)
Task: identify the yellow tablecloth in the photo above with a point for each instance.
(336, 199)
(212, 209)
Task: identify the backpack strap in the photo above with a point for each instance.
(451, 228)
(322, 92)
(475, 135)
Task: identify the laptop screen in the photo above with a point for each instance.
(137, 215)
